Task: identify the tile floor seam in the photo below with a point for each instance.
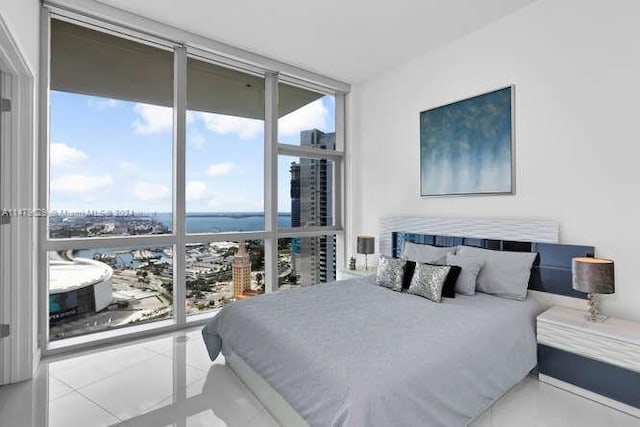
(156, 354)
(187, 364)
(200, 369)
(98, 405)
(64, 383)
(171, 357)
(154, 351)
(63, 395)
(111, 375)
(170, 395)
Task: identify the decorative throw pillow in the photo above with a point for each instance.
(470, 267)
(449, 289)
(505, 274)
(428, 281)
(425, 253)
(409, 268)
(390, 272)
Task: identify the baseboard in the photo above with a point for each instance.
(590, 395)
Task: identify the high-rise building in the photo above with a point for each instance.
(241, 271)
(314, 258)
(295, 194)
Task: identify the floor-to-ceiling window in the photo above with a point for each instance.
(308, 186)
(169, 193)
(110, 181)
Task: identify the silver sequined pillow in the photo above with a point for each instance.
(428, 281)
(390, 272)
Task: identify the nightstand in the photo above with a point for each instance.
(599, 361)
(351, 274)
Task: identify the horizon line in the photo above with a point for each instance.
(131, 212)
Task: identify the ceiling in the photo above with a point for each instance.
(349, 40)
(99, 64)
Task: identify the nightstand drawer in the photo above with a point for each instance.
(597, 360)
(599, 377)
(588, 344)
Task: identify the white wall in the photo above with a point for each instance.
(23, 19)
(19, 42)
(576, 67)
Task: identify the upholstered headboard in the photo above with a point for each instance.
(551, 271)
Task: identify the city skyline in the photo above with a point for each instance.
(119, 156)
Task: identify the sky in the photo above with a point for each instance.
(116, 155)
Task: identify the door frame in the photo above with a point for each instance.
(19, 351)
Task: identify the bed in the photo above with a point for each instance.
(351, 353)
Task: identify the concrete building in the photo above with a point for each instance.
(241, 272)
(78, 287)
(314, 258)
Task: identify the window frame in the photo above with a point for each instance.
(184, 45)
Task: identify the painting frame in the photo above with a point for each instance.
(505, 162)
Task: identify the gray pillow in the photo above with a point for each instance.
(505, 274)
(466, 283)
(428, 281)
(390, 272)
(425, 253)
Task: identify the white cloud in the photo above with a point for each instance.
(146, 191)
(202, 198)
(152, 119)
(197, 140)
(103, 104)
(196, 191)
(311, 116)
(63, 154)
(228, 202)
(128, 167)
(220, 169)
(224, 125)
(81, 184)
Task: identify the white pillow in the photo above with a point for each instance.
(470, 268)
(425, 253)
(505, 274)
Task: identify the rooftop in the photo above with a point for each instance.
(81, 272)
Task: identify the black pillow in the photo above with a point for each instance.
(409, 268)
(449, 289)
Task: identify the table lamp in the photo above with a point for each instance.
(593, 276)
(366, 246)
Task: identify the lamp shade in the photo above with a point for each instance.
(593, 275)
(366, 245)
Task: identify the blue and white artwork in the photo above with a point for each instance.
(466, 147)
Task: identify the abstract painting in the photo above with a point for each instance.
(466, 147)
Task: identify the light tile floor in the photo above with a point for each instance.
(170, 381)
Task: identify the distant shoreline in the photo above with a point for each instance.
(229, 214)
(107, 214)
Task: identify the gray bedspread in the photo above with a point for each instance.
(350, 353)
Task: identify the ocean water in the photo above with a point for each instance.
(199, 223)
(222, 222)
(123, 258)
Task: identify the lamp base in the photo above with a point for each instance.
(594, 313)
(595, 319)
